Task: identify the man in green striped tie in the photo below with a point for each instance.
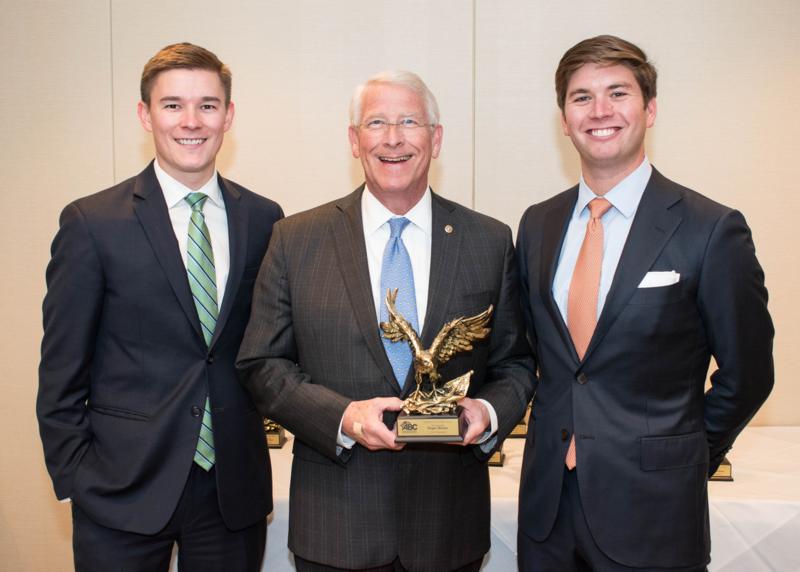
(145, 426)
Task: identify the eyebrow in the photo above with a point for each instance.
(577, 91)
(583, 90)
(204, 99)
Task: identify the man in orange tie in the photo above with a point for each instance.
(630, 284)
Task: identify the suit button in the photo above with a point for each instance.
(196, 411)
(582, 379)
(210, 359)
(564, 434)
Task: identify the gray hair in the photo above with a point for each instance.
(400, 78)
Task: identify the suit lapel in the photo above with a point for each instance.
(445, 249)
(237, 237)
(347, 236)
(151, 210)
(652, 227)
(444, 264)
(556, 221)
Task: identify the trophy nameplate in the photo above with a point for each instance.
(274, 434)
(429, 428)
(430, 413)
(724, 472)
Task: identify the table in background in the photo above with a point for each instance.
(755, 520)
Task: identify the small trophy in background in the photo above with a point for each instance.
(275, 434)
(498, 457)
(520, 430)
(430, 413)
(724, 472)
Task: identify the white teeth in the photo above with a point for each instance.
(396, 159)
(602, 132)
(190, 141)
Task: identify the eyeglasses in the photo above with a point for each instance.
(381, 125)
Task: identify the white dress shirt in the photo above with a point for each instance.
(617, 221)
(416, 237)
(216, 220)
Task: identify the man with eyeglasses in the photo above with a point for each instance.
(313, 358)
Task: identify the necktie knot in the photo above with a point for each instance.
(598, 207)
(196, 201)
(396, 226)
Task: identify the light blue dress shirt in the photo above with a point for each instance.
(624, 199)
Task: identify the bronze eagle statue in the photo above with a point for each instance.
(455, 336)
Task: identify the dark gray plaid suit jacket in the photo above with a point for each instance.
(313, 345)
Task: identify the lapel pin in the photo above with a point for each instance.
(448, 228)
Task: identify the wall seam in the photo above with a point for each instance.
(111, 69)
(474, 90)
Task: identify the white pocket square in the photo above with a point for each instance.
(658, 279)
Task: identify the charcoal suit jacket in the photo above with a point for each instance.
(647, 435)
(313, 345)
(125, 370)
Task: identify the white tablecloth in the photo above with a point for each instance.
(755, 520)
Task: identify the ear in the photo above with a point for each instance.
(651, 108)
(564, 127)
(229, 116)
(352, 134)
(143, 111)
(437, 141)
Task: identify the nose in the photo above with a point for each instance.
(601, 107)
(190, 118)
(395, 135)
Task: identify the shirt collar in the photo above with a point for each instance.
(374, 214)
(175, 191)
(625, 195)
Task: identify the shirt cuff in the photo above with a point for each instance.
(487, 441)
(343, 441)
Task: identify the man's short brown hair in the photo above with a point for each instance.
(183, 56)
(606, 51)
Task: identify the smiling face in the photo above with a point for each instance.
(395, 160)
(188, 118)
(606, 118)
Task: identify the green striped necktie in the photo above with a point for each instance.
(202, 280)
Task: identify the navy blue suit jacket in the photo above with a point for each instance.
(647, 435)
(125, 369)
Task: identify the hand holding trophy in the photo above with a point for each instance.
(430, 413)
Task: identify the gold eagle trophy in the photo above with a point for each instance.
(430, 413)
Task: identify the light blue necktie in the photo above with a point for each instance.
(396, 272)
(203, 283)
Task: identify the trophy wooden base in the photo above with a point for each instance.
(519, 431)
(724, 472)
(429, 429)
(498, 458)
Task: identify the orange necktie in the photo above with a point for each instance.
(584, 290)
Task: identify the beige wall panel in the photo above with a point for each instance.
(727, 124)
(295, 65)
(56, 146)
